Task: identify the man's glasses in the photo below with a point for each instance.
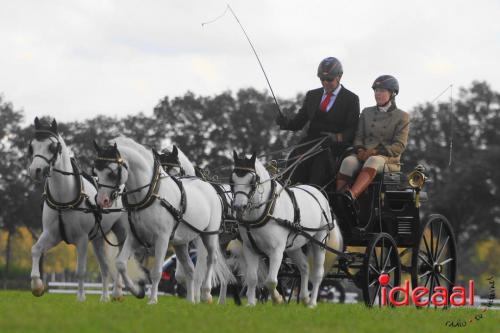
(327, 79)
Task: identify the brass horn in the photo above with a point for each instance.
(417, 179)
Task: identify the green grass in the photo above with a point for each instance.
(21, 312)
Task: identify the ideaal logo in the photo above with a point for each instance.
(422, 296)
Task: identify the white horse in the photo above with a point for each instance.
(161, 207)
(70, 220)
(267, 220)
(176, 163)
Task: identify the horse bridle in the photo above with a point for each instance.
(255, 182)
(121, 164)
(55, 148)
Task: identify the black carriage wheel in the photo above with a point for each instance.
(381, 258)
(434, 256)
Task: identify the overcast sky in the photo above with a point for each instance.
(75, 59)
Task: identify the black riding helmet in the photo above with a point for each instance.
(388, 82)
(329, 68)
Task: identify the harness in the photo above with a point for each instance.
(73, 204)
(151, 197)
(296, 229)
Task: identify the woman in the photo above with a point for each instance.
(379, 142)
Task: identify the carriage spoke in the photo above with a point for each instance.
(424, 260)
(438, 238)
(391, 270)
(442, 248)
(375, 295)
(432, 241)
(446, 261)
(424, 275)
(427, 248)
(445, 278)
(373, 282)
(374, 269)
(387, 259)
(431, 289)
(376, 258)
(427, 280)
(382, 254)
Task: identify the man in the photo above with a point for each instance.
(331, 111)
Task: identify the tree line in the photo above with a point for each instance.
(208, 128)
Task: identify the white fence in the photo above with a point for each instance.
(90, 288)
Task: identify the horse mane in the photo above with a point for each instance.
(185, 162)
(261, 171)
(126, 142)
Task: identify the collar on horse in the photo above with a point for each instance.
(74, 204)
(52, 203)
(268, 211)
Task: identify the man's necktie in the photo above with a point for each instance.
(325, 102)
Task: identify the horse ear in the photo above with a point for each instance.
(175, 151)
(53, 126)
(235, 155)
(96, 146)
(37, 123)
(155, 153)
(254, 156)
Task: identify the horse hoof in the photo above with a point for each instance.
(249, 305)
(119, 298)
(142, 289)
(153, 302)
(278, 300)
(311, 306)
(80, 298)
(208, 299)
(37, 287)
(305, 300)
(104, 299)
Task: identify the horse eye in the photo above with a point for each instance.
(53, 148)
(113, 176)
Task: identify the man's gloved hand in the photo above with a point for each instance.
(282, 121)
(329, 141)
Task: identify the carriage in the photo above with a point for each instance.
(391, 238)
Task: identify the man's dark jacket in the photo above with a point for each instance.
(341, 118)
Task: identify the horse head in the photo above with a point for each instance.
(111, 171)
(44, 149)
(244, 180)
(170, 162)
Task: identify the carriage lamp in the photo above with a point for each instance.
(416, 180)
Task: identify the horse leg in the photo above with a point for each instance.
(222, 293)
(184, 259)
(211, 244)
(300, 260)
(45, 242)
(252, 266)
(161, 248)
(98, 245)
(317, 272)
(121, 233)
(275, 259)
(121, 266)
(81, 266)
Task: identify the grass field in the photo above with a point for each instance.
(21, 312)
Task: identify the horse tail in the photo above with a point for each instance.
(222, 272)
